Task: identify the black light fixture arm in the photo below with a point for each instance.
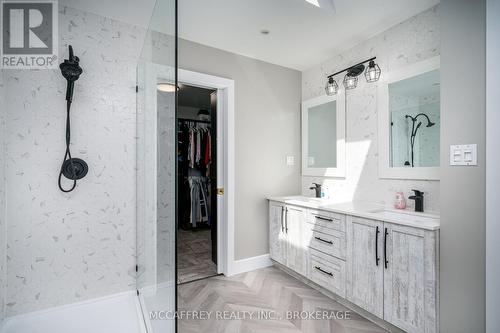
(346, 69)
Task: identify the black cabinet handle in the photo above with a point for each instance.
(323, 271)
(282, 218)
(286, 220)
(377, 259)
(323, 240)
(323, 218)
(385, 248)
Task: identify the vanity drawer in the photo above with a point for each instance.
(328, 272)
(326, 219)
(332, 243)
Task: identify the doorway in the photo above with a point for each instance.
(196, 183)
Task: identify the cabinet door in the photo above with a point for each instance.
(365, 274)
(295, 219)
(410, 279)
(277, 235)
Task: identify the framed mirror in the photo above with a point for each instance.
(409, 122)
(323, 136)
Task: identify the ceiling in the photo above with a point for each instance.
(302, 33)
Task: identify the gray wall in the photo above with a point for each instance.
(267, 128)
(463, 188)
(492, 163)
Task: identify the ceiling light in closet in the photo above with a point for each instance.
(166, 87)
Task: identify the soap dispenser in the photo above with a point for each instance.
(400, 201)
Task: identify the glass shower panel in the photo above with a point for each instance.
(156, 163)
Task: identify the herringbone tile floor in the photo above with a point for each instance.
(265, 292)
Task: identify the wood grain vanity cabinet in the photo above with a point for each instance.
(365, 272)
(411, 278)
(285, 235)
(390, 270)
(392, 273)
(277, 235)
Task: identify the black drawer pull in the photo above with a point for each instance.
(323, 218)
(323, 271)
(323, 240)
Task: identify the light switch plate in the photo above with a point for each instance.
(463, 154)
(290, 160)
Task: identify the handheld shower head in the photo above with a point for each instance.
(72, 168)
(71, 71)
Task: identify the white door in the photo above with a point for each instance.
(277, 234)
(410, 279)
(295, 218)
(365, 264)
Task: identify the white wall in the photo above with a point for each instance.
(411, 41)
(64, 248)
(463, 189)
(267, 128)
(492, 163)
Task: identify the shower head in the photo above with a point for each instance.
(414, 119)
(71, 71)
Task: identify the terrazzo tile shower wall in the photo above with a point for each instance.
(64, 248)
(3, 248)
(411, 41)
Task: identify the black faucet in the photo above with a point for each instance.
(419, 200)
(317, 188)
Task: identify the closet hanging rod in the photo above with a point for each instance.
(195, 120)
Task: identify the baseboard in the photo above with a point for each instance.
(249, 264)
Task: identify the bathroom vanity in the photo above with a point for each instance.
(384, 261)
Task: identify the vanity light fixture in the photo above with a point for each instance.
(372, 74)
(331, 87)
(350, 82)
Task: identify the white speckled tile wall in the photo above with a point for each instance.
(166, 188)
(3, 245)
(64, 248)
(413, 40)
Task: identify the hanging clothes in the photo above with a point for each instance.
(199, 199)
(194, 159)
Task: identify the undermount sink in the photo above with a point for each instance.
(307, 199)
(404, 215)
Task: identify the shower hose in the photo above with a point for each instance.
(67, 154)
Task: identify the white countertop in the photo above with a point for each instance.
(366, 210)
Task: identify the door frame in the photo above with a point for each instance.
(225, 161)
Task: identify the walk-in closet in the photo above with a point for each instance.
(196, 184)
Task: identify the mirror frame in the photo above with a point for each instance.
(384, 141)
(339, 170)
